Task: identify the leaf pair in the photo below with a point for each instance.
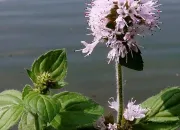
(66, 110)
(53, 63)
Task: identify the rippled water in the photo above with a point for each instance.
(28, 28)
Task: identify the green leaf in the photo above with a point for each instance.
(11, 108)
(42, 105)
(10, 98)
(31, 75)
(77, 111)
(26, 90)
(27, 122)
(54, 62)
(164, 111)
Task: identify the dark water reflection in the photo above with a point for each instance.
(28, 28)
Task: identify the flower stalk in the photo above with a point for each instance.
(37, 122)
(119, 86)
(117, 23)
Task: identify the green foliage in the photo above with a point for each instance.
(77, 111)
(27, 122)
(10, 108)
(53, 62)
(38, 110)
(164, 111)
(42, 105)
(49, 70)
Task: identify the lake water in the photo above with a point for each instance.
(29, 28)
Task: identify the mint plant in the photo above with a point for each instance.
(37, 108)
(115, 23)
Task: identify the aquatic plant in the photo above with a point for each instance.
(115, 23)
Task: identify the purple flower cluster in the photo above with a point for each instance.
(118, 22)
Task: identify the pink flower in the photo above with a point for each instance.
(112, 126)
(118, 22)
(113, 104)
(134, 111)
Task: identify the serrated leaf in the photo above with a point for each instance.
(42, 105)
(164, 111)
(77, 111)
(27, 122)
(9, 98)
(11, 108)
(26, 90)
(54, 62)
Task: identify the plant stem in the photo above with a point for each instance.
(119, 87)
(36, 122)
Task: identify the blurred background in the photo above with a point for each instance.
(29, 28)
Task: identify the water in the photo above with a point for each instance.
(29, 28)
